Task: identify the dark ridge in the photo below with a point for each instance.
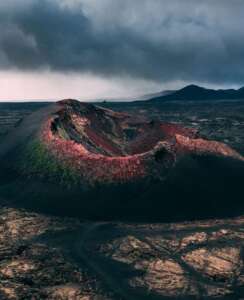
(194, 93)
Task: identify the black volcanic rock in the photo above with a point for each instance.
(194, 92)
(42, 257)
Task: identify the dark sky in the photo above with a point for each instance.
(118, 46)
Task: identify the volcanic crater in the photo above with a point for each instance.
(83, 159)
(120, 147)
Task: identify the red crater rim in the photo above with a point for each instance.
(104, 145)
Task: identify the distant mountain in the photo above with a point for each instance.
(194, 92)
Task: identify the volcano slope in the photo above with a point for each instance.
(74, 158)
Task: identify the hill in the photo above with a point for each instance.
(195, 93)
(74, 158)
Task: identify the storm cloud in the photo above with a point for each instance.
(156, 40)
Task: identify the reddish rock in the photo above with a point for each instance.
(94, 141)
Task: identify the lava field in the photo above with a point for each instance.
(122, 173)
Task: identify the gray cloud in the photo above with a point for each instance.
(160, 40)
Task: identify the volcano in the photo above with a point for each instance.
(74, 158)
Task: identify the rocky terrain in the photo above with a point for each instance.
(43, 256)
(30, 269)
